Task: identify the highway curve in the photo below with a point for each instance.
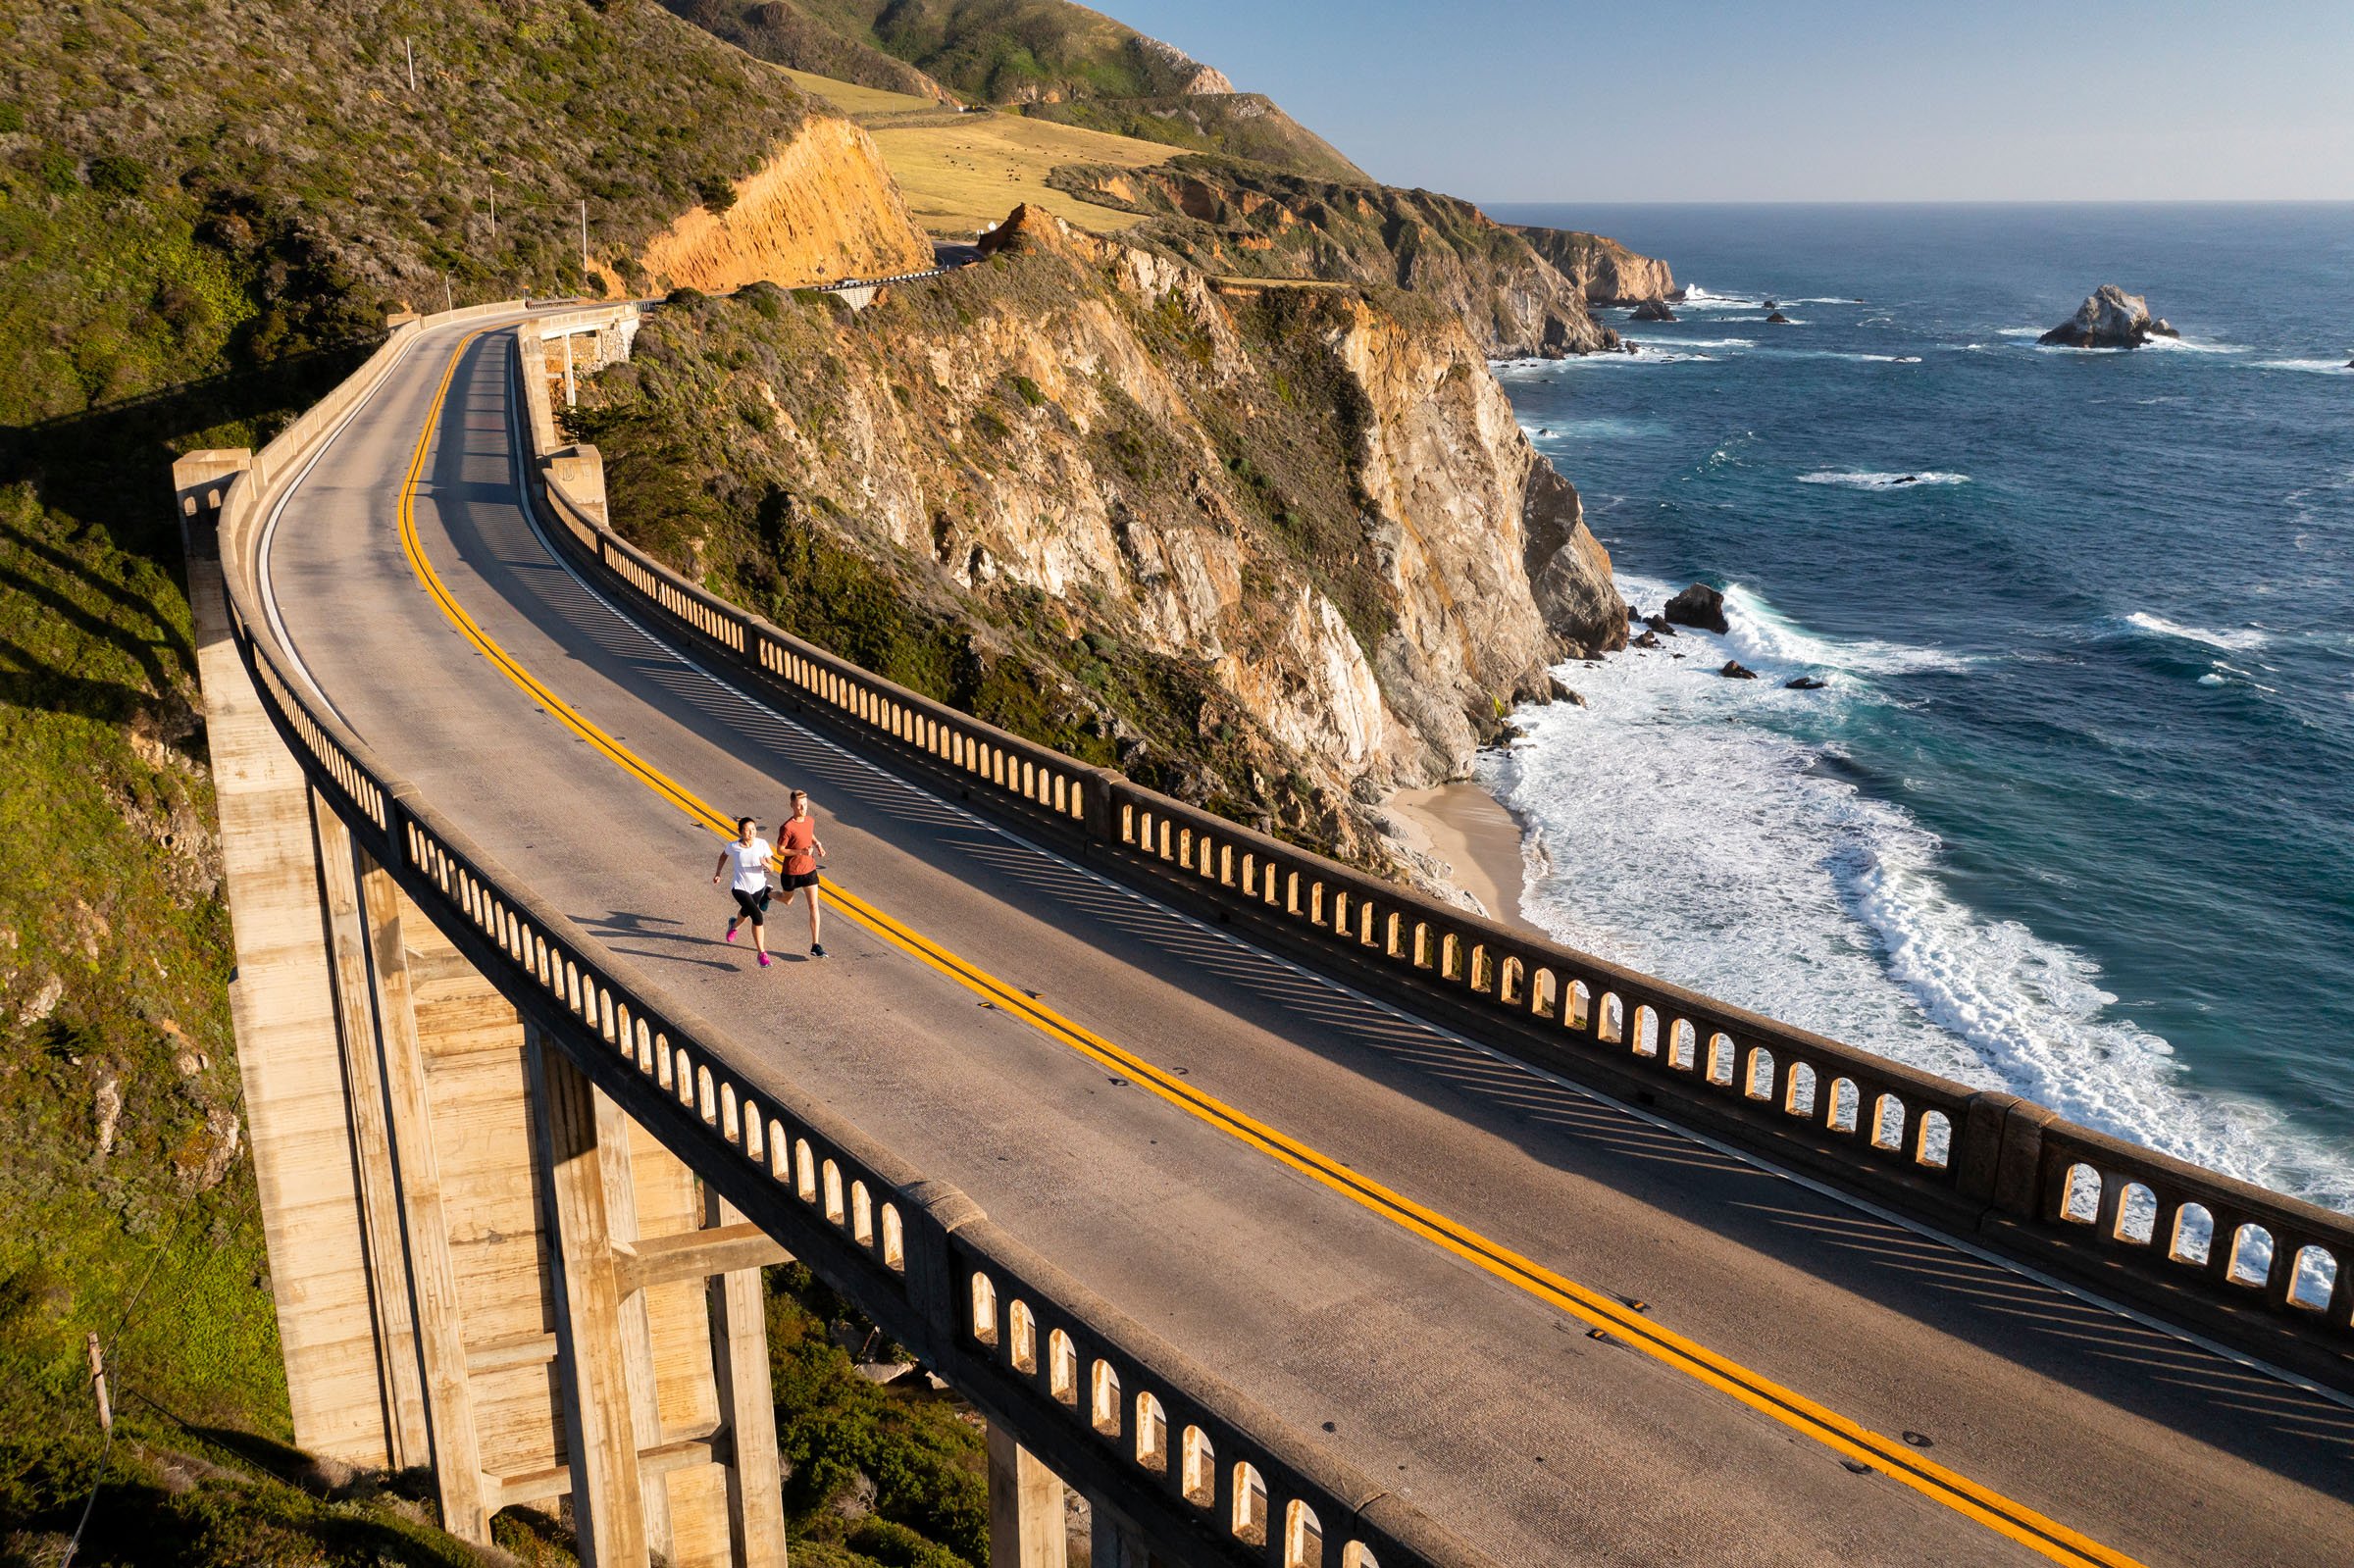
(2008, 1421)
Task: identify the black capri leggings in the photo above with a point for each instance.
(753, 905)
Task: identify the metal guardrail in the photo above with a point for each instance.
(1115, 1409)
(2271, 1273)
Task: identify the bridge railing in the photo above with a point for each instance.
(2271, 1271)
(1117, 1410)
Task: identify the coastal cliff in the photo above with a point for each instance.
(1233, 217)
(1602, 271)
(821, 206)
(1273, 549)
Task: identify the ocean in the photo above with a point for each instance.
(2075, 814)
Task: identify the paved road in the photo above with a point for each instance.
(1492, 1411)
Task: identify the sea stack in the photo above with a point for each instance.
(2109, 317)
(1654, 309)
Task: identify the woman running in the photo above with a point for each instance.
(798, 842)
(748, 854)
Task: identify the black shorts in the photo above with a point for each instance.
(753, 905)
(794, 879)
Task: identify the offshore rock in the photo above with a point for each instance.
(2109, 317)
(1777, 318)
(1654, 309)
(1698, 606)
(1735, 670)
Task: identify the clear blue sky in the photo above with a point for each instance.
(1523, 100)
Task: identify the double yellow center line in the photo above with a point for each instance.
(1849, 1438)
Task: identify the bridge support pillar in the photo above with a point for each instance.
(601, 1419)
(1026, 1509)
(1113, 1541)
(740, 1365)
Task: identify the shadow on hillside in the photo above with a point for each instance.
(110, 468)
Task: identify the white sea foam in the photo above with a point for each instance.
(1856, 481)
(2312, 367)
(1676, 829)
(2159, 625)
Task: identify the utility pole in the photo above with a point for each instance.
(494, 217)
(449, 301)
(411, 56)
(583, 244)
(106, 1410)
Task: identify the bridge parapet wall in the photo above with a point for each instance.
(1206, 1474)
(2264, 1271)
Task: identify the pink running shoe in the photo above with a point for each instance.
(731, 933)
(764, 960)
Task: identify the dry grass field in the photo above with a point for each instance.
(962, 174)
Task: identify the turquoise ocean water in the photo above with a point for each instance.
(2076, 813)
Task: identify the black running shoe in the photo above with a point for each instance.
(817, 949)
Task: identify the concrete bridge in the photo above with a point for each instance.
(1288, 1216)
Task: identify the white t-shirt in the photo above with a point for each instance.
(752, 865)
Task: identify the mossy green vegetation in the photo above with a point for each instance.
(880, 1476)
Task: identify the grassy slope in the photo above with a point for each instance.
(1056, 61)
(1001, 51)
(1238, 125)
(204, 208)
(790, 35)
(966, 175)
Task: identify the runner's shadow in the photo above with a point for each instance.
(675, 958)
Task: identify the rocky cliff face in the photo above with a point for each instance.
(821, 206)
(1273, 549)
(1604, 271)
(1226, 217)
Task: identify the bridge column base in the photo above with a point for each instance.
(1114, 1542)
(1027, 1525)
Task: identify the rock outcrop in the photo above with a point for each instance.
(823, 206)
(1605, 271)
(1698, 606)
(1312, 517)
(1654, 309)
(1234, 219)
(2109, 317)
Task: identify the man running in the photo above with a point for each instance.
(798, 842)
(749, 855)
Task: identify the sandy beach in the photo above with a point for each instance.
(1465, 826)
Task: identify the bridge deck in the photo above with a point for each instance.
(1490, 1409)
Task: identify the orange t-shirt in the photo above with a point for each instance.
(794, 842)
